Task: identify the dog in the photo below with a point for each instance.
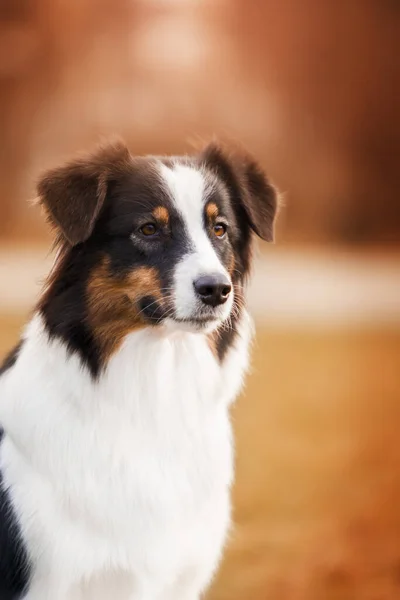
(116, 452)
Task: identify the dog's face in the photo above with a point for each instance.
(166, 234)
(151, 242)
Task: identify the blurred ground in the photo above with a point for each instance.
(317, 491)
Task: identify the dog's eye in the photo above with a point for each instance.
(148, 229)
(220, 229)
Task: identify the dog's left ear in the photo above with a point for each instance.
(248, 186)
(73, 195)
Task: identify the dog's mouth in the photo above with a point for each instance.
(199, 321)
(204, 319)
(155, 314)
(194, 324)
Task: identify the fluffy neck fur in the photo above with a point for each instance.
(115, 469)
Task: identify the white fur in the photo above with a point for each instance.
(122, 484)
(188, 189)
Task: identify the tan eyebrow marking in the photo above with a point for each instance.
(161, 214)
(212, 211)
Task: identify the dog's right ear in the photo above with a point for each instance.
(73, 195)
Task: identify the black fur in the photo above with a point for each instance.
(10, 360)
(64, 305)
(14, 563)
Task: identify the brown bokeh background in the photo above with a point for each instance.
(312, 88)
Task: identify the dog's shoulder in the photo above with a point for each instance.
(14, 564)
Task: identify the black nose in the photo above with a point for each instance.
(213, 289)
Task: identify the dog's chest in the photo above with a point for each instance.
(163, 447)
(133, 465)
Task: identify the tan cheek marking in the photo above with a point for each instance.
(143, 281)
(212, 339)
(112, 303)
(212, 211)
(161, 214)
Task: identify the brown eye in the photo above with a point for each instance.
(148, 229)
(219, 229)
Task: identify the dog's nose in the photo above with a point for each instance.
(213, 289)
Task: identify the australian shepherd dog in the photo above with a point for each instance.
(116, 451)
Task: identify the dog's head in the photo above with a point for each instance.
(151, 242)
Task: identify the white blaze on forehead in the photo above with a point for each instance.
(189, 189)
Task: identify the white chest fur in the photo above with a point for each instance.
(122, 486)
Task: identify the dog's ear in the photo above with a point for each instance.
(248, 186)
(73, 195)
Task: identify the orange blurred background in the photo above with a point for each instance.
(312, 88)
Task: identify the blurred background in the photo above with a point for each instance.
(312, 88)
